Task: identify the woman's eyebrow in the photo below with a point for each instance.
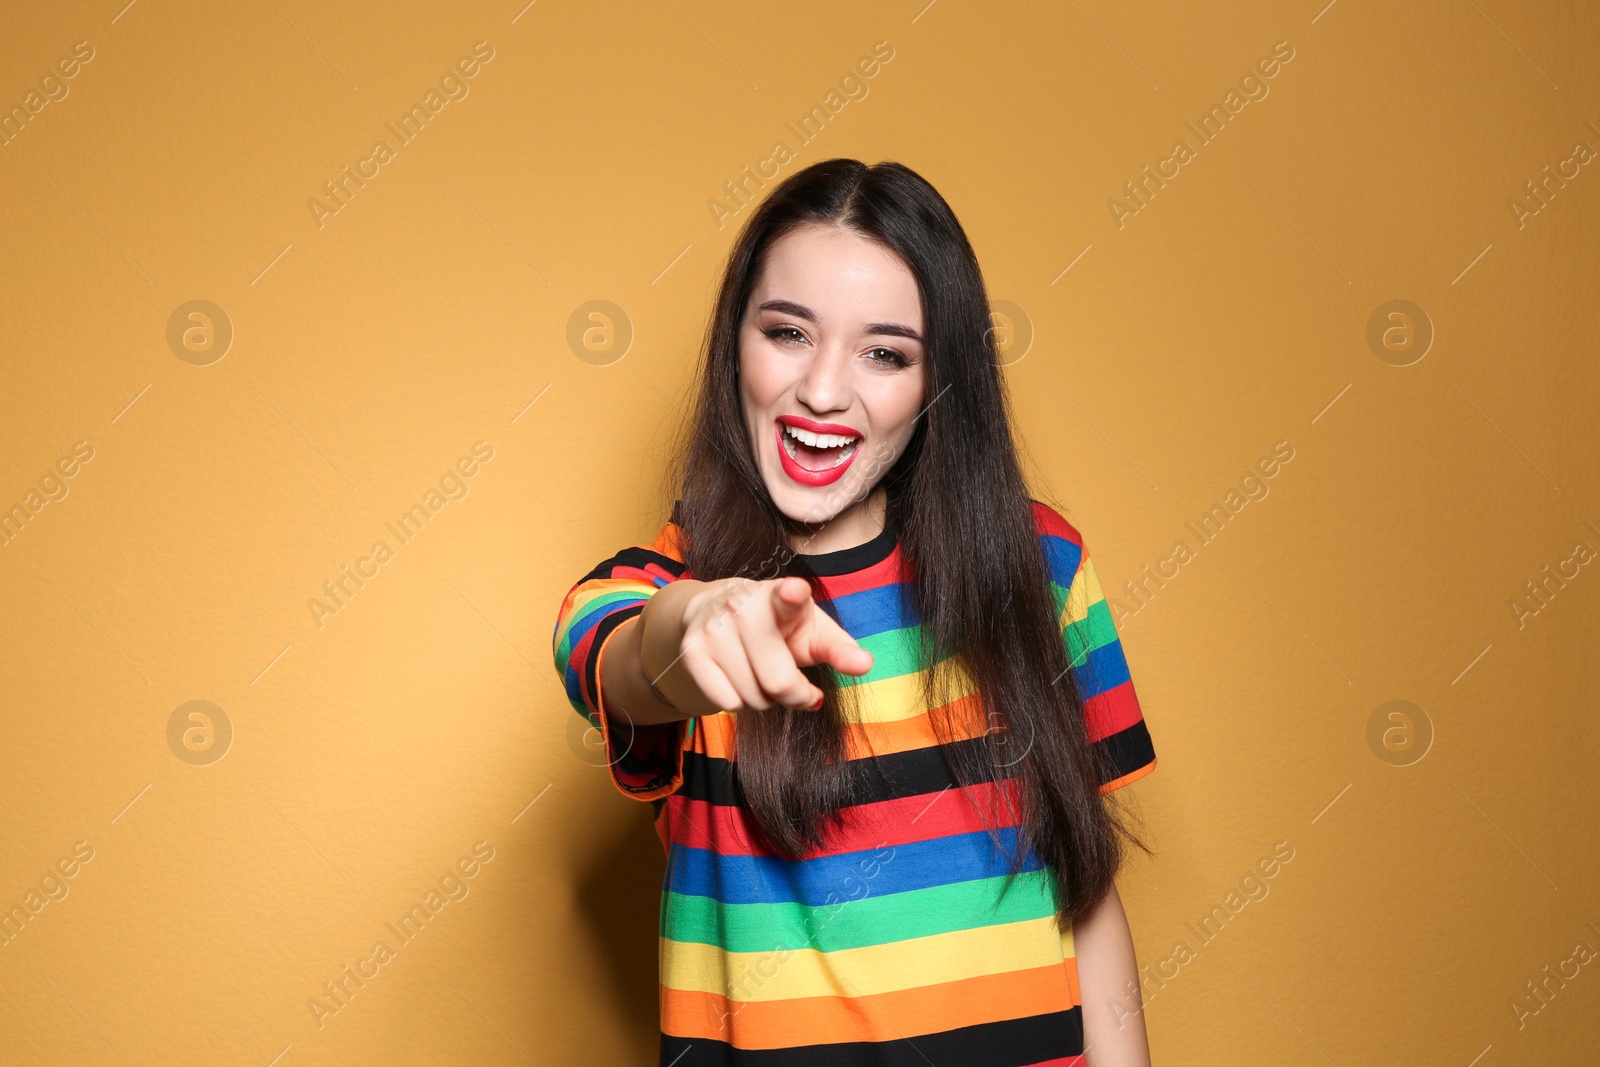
(800, 311)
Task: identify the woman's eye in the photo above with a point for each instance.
(792, 335)
(785, 334)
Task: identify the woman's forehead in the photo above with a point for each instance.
(845, 279)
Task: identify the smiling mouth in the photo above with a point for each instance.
(818, 452)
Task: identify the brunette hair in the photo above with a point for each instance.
(961, 509)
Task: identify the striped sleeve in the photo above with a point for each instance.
(644, 762)
(1099, 669)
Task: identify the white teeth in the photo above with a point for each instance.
(818, 440)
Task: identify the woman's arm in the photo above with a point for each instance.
(1108, 980)
(750, 640)
(623, 678)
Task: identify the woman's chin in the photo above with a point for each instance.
(803, 504)
(809, 507)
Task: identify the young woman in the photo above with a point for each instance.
(870, 686)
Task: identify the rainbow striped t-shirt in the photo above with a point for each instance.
(895, 945)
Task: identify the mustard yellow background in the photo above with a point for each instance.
(1155, 357)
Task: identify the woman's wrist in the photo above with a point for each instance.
(660, 634)
(659, 695)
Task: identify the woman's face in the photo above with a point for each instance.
(832, 368)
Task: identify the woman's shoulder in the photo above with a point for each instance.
(1064, 551)
(656, 561)
(1051, 523)
(670, 541)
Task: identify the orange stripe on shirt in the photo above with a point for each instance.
(884, 1017)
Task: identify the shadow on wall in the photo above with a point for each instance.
(620, 901)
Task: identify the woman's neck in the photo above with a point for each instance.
(855, 525)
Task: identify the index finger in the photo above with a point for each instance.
(828, 642)
(791, 599)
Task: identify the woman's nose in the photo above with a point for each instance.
(825, 384)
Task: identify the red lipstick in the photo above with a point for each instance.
(805, 475)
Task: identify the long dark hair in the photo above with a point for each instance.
(962, 512)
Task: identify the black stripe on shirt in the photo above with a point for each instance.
(1126, 751)
(636, 556)
(602, 630)
(654, 746)
(1007, 1043)
(896, 775)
